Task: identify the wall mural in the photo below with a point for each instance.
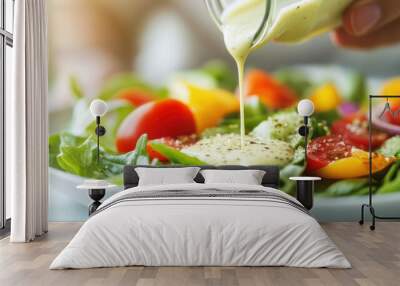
(176, 104)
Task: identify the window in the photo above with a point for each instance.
(6, 62)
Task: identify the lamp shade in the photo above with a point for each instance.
(305, 108)
(98, 107)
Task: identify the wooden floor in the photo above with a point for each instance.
(375, 257)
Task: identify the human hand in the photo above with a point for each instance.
(369, 24)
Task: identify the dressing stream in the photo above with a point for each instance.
(290, 21)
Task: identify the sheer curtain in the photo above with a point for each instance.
(26, 120)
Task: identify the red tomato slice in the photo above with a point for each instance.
(391, 118)
(271, 92)
(354, 129)
(326, 149)
(178, 143)
(158, 119)
(136, 97)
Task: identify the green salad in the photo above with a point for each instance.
(194, 120)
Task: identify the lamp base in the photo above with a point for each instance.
(96, 195)
(373, 216)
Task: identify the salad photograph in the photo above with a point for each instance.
(210, 142)
(194, 120)
(174, 98)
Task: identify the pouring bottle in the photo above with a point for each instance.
(248, 24)
(287, 21)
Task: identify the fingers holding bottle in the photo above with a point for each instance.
(370, 24)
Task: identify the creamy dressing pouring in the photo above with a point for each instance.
(288, 21)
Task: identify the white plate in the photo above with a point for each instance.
(66, 203)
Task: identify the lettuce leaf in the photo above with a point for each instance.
(78, 155)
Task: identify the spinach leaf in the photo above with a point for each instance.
(55, 141)
(54, 147)
(78, 155)
(113, 165)
(80, 159)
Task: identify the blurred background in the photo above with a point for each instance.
(94, 39)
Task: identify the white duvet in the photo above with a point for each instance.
(201, 231)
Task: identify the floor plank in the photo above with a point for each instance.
(375, 257)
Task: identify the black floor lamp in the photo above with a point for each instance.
(370, 201)
(305, 109)
(98, 108)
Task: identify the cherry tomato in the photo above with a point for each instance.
(158, 119)
(326, 149)
(354, 129)
(271, 92)
(177, 143)
(136, 97)
(394, 116)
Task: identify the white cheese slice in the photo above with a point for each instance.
(225, 150)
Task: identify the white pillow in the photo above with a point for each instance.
(248, 177)
(164, 176)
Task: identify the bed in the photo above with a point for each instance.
(198, 224)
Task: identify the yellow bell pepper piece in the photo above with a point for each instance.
(392, 87)
(209, 106)
(326, 98)
(355, 166)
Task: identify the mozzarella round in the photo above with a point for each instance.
(226, 150)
